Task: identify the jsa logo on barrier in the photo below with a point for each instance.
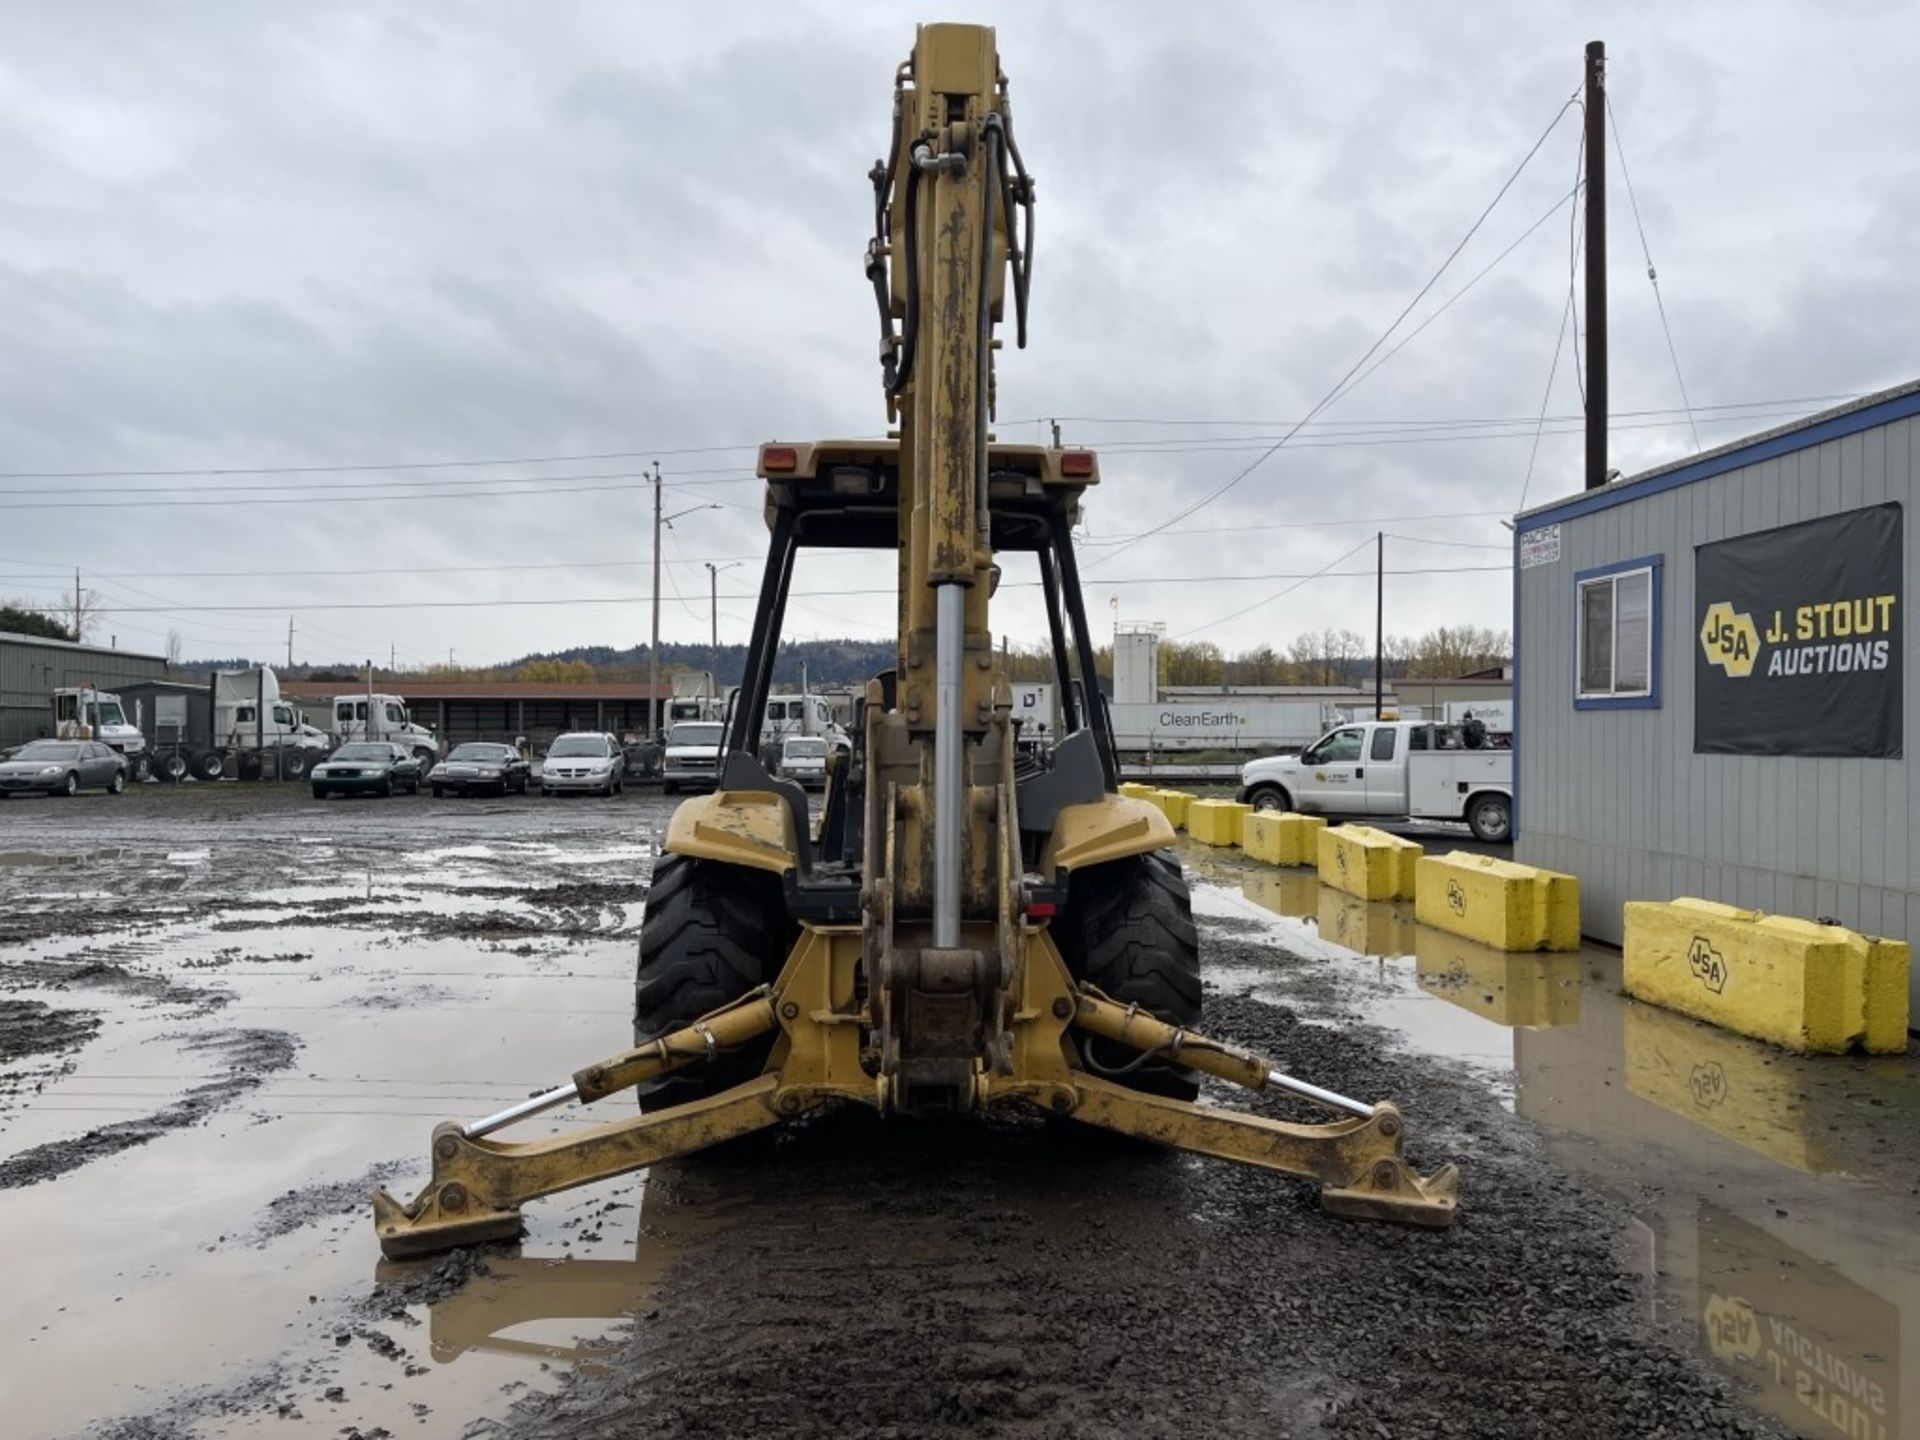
(1706, 964)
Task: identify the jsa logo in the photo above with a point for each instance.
(1730, 640)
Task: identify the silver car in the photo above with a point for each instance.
(584, 761)
(63, 767)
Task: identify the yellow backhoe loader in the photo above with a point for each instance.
(964, 925)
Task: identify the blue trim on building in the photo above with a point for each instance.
(1626, 492)
(1513, 820)
(1651, 700)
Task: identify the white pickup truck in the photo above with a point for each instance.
(1392, 770)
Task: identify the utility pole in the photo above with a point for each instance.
(393, 658)
(289, 642)
(653, 649)
(713, 593)
(1596, 264)
(1379, 620)
(76, 604)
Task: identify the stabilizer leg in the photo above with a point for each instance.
(1356, 1160)
(479, 1185)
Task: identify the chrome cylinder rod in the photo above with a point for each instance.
(551, 1100)
(1280, 1080)
(949, 761)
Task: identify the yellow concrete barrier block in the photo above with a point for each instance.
(1216, 822)
(1498, 902)
(1533, 991)
(1134, 790)
(1280, 838)
(1820, 989)
(1883, 987)
(1173, 804)
(1367, 862)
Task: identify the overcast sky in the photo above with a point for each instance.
(246, 236)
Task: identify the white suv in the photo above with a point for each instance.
(585, 761)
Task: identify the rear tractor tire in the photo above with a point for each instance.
(1127, 930)
(711, 933)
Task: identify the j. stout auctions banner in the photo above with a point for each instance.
(1800, 639)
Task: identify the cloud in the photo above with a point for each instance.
(369, 233)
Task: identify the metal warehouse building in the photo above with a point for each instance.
(1714, 681)
(32, 668)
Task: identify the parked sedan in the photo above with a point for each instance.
(584, 761)
(476, 767)
(63, 767)
(367, 767)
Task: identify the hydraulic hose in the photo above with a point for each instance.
(910, 326)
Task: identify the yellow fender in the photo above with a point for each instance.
(738, 827)
(1110, 828)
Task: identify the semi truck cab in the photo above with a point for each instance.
(382, 717)
(83, 713)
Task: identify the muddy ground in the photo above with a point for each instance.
(227, 1012)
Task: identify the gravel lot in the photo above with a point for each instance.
(226, 1012)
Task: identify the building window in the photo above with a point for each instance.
(1617, 636)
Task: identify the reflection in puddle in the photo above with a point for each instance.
(1513, 990)
(1820, 1352)
(558, 1306)
(1772, 1193)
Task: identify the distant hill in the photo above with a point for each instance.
(828, 662)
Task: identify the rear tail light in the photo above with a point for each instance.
(1077, 462)
(779, 459)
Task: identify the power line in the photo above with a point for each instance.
(385, 465)
(1425, 424)
(328, 499)
(1653, 276)
(1566, 313)
(544, 601)
(450, 486)
(62, 571)
(1288, 590)
(1415, 333)
(1328, 399)
(1456, 544)
(1302, 525)
(1227, 445)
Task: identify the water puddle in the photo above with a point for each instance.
(1773, 1196)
